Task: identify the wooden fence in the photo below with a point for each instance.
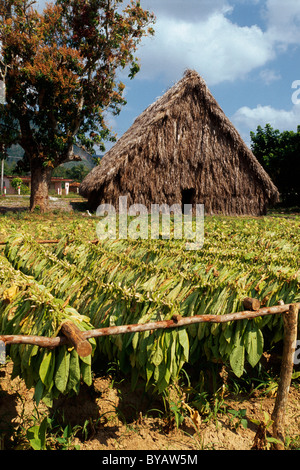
(70, 334)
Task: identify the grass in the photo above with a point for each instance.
(57, 222)
(52, 225)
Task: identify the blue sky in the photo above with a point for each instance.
(247, 51)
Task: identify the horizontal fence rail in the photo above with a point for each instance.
(176, 322)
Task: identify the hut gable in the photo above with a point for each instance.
(182, 149)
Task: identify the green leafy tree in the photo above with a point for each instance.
(62, 75)
(9, 168)
(77, 172)
(16, 182)
(279, 153)
(60, 172)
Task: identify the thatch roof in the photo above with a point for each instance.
(182, 147)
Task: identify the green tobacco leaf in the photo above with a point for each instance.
(158, 356)
(86, 373)
(174, 292)
(46, 368)
(149, 371)
(135, 340)
(254, 342)
(62, 372)
(184, 341)
(74, 371)
(237, 356)
(237, 359)
(39, 391)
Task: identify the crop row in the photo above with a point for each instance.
(28, 308)
(125, 282)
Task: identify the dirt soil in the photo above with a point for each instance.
(117, 419)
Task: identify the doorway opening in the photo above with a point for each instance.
(187, 198)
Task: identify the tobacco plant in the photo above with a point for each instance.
(28, 308)
(138, 281)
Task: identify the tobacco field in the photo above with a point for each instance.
(129, 281)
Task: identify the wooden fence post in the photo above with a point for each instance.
(74, 335)
(251, 304)
(290, 320)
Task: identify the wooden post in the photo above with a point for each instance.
(2, 174)
(251, 304)
(74, 335)
(290, 320)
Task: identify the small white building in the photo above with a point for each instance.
(58, 184)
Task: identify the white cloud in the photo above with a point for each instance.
(246, 119)
(186, 10)
(269, 76)
(200, 34)
(283, 21)
(217, 48)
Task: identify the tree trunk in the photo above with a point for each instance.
(40, 182)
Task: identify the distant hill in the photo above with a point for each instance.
(15, 153)
(86, 159)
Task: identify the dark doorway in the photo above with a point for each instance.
(187, 197)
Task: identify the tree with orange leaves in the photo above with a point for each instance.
(61, 76)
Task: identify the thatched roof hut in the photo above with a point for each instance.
(182, 150)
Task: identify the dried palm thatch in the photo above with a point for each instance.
(182, 150)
